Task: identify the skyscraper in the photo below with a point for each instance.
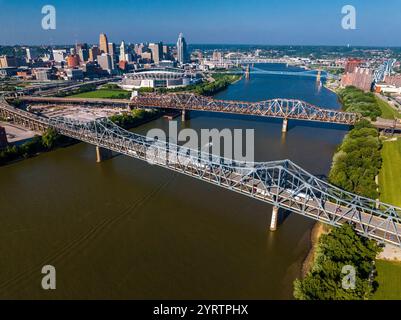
(122, 51)
(105, 62)
(157, 51)
(103, 43)
(93, 53)
(182, 51)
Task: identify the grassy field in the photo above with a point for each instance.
(104, 94)
(390, 174)
(389, 279)
(387, 111)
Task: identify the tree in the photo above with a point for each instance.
(341, 247)
(50, 138)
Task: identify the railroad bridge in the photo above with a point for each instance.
(285, 109)
(282, 184)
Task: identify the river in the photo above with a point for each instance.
(124, 229)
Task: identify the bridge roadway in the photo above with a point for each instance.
(280, 183)
(275, 108)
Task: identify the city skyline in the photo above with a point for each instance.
(255, 22)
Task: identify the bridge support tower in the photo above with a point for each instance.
(247, 72)
(285, 125)
(102, 154)
(184, 115)
(274, 220)
(319, 75)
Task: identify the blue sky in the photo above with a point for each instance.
(203, 21)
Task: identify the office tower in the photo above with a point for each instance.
(122, 52)
(59, 55)
(31, 54)
(105, 62)
(8, 61)
(103, 43)
(157, 51)
(182, 50)
(82, 51)
(93, 53)
(112, 49)
(139, 49)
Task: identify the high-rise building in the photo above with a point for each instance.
(112, 48)
(157, 51)
(59, 55)
(182, 50)
(103, 43)
(8, 62)
(122, 51)
(93, 53)
(139, 49)
(105, 62)
(31, 54)
(82, 50)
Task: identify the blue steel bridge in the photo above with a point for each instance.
(282, 184)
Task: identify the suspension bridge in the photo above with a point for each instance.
(282, 184)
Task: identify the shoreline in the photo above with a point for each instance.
(74, 142)
(316, 232)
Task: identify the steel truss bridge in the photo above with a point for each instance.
(280, 183)
(305, 73)
(275, 108)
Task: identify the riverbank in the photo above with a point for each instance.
(51, 140)
(317, 231)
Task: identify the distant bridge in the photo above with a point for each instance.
(275, 108)
(305, 73)
(280, 183)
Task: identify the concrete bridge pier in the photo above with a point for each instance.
(184, 115)
(274, 220)
(102, 154)
(285, 125)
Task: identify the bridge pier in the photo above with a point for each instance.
(184, 115)
(285, 125)
(102, 154)
(274, 220)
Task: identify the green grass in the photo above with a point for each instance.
(104, 94)
(387, 111)
(390, 174)
(389, 279)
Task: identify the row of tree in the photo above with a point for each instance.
(48, 141)
(135, 118)
(356, 100)
(343, 269)
(358, 161)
